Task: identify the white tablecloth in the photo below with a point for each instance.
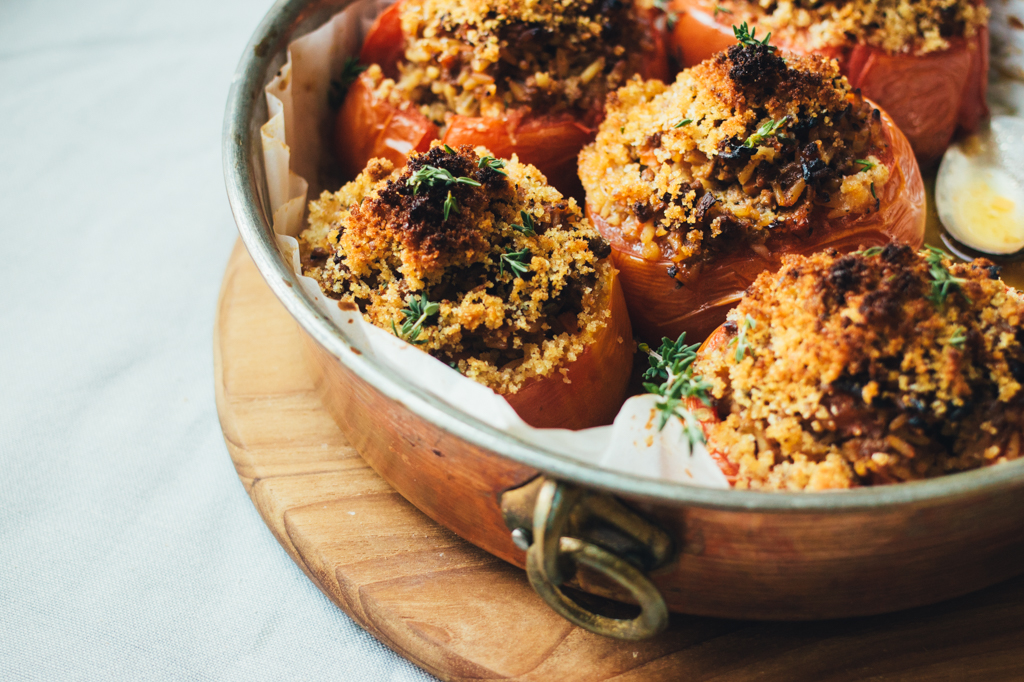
(128, 548)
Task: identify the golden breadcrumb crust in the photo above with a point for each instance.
(918, 26)
(483, 57)
(749, 143)
(843, 371)
(513, 303)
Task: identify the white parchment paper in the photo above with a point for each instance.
(293, 140)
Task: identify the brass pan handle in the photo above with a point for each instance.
(551, 549)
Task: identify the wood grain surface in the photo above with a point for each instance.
(464, 615)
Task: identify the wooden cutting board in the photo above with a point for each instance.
(461, 614)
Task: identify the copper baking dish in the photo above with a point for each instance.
(727, 553)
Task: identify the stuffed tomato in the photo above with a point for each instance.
(477, 262)
(518, 78)
(703, 184)
(880, 366)
(924, 61)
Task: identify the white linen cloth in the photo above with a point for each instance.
(128, 547)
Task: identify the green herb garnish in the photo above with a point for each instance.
(494, 164)
(767, 129)
(684, 122)
(450, 205)
(670, 17)
(720, 9)
(958, 338)
(943, 281)
(870, 251)
(339, 88)
(742, 345)
(517, 262)
(432, 175)
(415, 315)
(878, 203)
(745, 36)
(673, 365)
(527, 227)
(865, 164)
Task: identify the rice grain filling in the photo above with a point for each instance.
(842, 371)
(486, 57)
(520, 277)
(746, 145)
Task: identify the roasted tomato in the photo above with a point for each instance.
(930, 96)
(660, 306)
(593, 387)
(368, 125)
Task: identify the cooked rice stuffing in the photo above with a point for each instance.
(881, 366)
(918, 26)
(748, 144)
(483, 57)
(513, 302)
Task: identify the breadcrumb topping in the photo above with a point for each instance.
(747, 144)
(918, 26)
(483, 57)
(477, 261)
(881, 366)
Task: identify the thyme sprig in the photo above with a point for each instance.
(517, 262)
(958, 338)
(943, 281)
(721, 9)
(742, 345)
(494, 164)
(415, 315)
(450, 205)
(339, 88)
(767, 129)
(745, 37)
(670, 17)
(432, 176)
(685, 121)
(672, 363)
(527, 228)
(865, 164)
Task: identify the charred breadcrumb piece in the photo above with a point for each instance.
(918, 26)
(852, 376)
(751, 143)
(486, 57)
(466, 286)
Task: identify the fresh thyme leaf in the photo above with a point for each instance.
(448, 149)
(527, 227)
(670, 17)
(742, 345)
(622, 130)
(719, 8)
(672, 363)
(870, 252)
(517, 262)
(339, 88)
(685, 121)
(418, 309)
(878, 203)
(958, 338)
(745, 36)
(767, 129)
(450, 205)
(494, 164)
(865, 164)
(432, 175)
(943, 281)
